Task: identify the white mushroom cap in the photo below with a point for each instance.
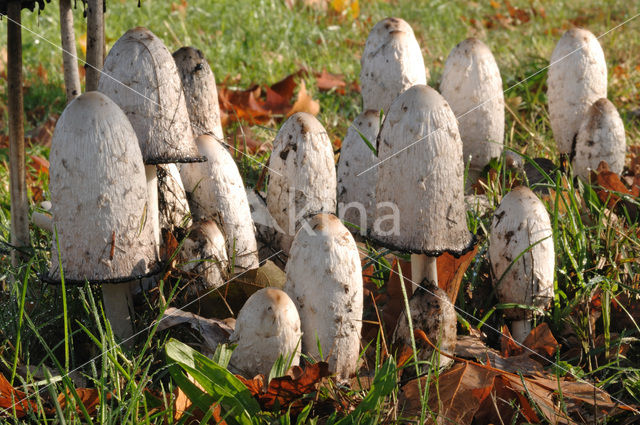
(267, 326)
(172, 199)
(217, 193)
(577, 78)
(302, 178)
(324, 279)
(600, 138)
(99, 194)
(204, 254)
(421, 174)
(521, 221)
(200, 89)
(142, 78)
(391, 63)
(357, 193)
(433, 313)
(472, 86)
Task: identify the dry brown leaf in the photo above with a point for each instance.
(451, 270)
(89, 397)
(326, 81)
(304, 102)
(13, 402)
(609, 182)
(539, 340)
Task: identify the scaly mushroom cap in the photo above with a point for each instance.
(434, 314)
(421, 175)
(217, 193)
(472, 86)
(391, 63)
(521, 221)
(142, 78)
(199, 86)
(302, 178)
(600, 138)
(172, 199)
(324, 280)
(267, 326)
(357, 193)
(577, 78)
(99, 194)
(204, 255)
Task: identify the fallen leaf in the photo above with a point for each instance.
(82, 43)
(326, 81)
(609, 182)
(13, 402)
(212, 331)
(451, 270)
(352, 7)
(89, 397)
(40, 164)
(304, 102)
(541, 340)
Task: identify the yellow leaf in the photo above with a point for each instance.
(82, 42)
(341, 6)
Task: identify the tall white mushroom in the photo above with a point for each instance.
(302, 178)
(141, 77)
(199, 86)
(421, 174)
(472, 86)
(173, 205)
(99, 199)
(391, 63)
(324, 280)
(577, 78)
(267, 326)
(357, 174)
(600, 138)
(217, 193)
(521, 228)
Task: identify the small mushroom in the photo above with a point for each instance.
(391, 63)
(421, 176)
(600, 138)
(267, 326)
(357, 173)
(302, 179)
(173, 205)
(200, 89)
(141, 77)
(472, 86)
(217, 193)
(577, 78)
(99, 197)
(204, 255)
(324, 280)
(522, 257)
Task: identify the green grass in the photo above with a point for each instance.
(252, 41)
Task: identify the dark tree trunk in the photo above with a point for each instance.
(69, 56)
(95, 43)
(17, 173)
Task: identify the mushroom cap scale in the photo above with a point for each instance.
(98, 192)
(355, 158)
(421, 173)
(601, 138)
(521, 223)
(472, 86)
(217, 193)
(199, 85)
(267, 326)
(577, 77)
(391, 63)
(302, 178)
(324, 280)
(142, 78)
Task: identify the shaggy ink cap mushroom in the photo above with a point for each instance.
(99, 196)
(324, 280)
(217, 193)
(268, 325)
(199, 85)
(521, 225)
(577, 77)
(421, 173)
(472, 86)
(357, 174)
(173, 205)
(391, 63)
(143, 80)
(601, 138)
(302, 178)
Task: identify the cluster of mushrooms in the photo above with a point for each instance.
(145, 154)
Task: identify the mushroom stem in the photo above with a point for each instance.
(118, 303)
(95, 43)
(70, 63)
(42, 220)
(520, 329)
(423, 267)
(153, 214)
